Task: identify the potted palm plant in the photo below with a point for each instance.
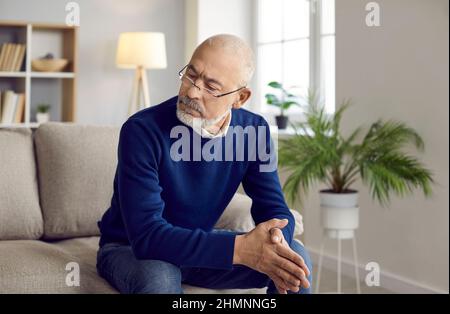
(284, 102)
(320, 153)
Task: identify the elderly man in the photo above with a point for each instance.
(158, 232)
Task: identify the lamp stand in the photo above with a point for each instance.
(140, 97)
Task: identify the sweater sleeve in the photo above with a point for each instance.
(262, 185)
(141, 204)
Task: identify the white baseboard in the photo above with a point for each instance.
(389, 281)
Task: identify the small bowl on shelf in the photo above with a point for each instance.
(48, 65)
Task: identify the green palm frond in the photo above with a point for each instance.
(395, 173)
(390, 135)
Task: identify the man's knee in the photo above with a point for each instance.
(155, 276)
(301, 250)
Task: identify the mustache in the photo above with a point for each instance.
(192, 104)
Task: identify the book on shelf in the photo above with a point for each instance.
(2, 55)
(12, 107)
(11, 57)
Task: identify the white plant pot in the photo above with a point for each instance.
(42, 117)
(339, 214)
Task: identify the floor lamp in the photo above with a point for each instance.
(141, 51)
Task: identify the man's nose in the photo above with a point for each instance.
(193, 91)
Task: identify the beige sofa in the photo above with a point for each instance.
(55, 184)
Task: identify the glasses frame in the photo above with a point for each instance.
(181, 75)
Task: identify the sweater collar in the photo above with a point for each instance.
(223, 130)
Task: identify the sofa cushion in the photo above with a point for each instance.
(76, 166)
(40, 267)
(85, 251)
(20, 213)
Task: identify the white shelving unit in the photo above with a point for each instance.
(59, 39)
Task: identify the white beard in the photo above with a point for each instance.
(203, 126)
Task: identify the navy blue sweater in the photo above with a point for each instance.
(165, 209)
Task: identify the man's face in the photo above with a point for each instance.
(217, 71)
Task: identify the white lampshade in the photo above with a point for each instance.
(141, 49)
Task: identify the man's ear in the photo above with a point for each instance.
(244, 95)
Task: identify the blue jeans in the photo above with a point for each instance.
(117, 264)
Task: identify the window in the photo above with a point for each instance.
(295, 46)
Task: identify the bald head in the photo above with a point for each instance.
(234, 46)
(221, 65)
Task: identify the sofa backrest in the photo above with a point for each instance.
(20, 213)
(69, 178)
(76, 166)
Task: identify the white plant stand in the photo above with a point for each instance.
(339, 235)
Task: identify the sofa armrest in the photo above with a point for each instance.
(237, 216)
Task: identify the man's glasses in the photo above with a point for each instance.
(187, 79)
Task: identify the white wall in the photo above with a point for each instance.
(205, 18)
(232, 16)
(400, 71)
(103, 89)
